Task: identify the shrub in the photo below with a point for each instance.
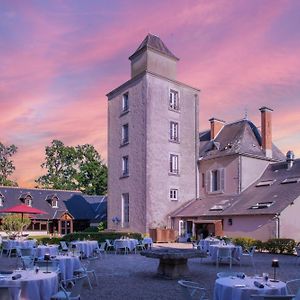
(91, 229)
(281, 246)
(245, 242)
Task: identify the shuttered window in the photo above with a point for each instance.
(215, 181)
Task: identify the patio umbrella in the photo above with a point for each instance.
(23, 209)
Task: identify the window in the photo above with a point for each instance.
(174, 100)
(215, 181)
(174, 169)
(222, 205)
(203, 180)
(28, 200)
(265, 182)
(125, 134)
(174, 137)
(291, 180)
(125, 102)
(125, 210)
(54, 202)
(125, 165)
(173, 194)
(261, 205)
(1, 200)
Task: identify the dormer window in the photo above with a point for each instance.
(28, 200)
(1, 200)
(265, 183)
(54, 202)
(261, 205)
(291, 180)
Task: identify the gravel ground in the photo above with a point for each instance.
(134, 276)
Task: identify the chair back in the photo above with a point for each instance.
(76, 290)
(108, 242)
(297, 251)
(5, 245)
(27, 262)
(102, 246)
(63, 245)
(224, 252)
(52, 265)
(193, 290)
(8, 292)
(252, 250)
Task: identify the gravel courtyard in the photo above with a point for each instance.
(134, 276)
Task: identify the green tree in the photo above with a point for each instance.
(74, 168)
(92, 173)
(6, 164)
(14, 224)
(60, 163)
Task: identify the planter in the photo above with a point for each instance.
(163, 235)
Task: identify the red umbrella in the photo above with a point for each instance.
(23, 209)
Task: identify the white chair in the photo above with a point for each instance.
(293, 287)
(230, 274)
(86, 270)
(7, 248)
(120, 246)
(50, 265)
(272, 297)
(139, 246)
(102, 248)
(109, 245)
(74, 293)
(193, 290)
(224, 253)
(27, 262)
(248, 253)
(63, 247)
(8, 292)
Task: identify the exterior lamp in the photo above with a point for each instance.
(275, 265)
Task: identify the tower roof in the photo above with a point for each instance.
(155, 43)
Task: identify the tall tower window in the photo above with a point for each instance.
(125, 134)
(125, 166)
(174, 100)
(174, 168)
(125, 102)
(125, 210)
(174, 136)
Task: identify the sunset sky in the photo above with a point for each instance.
(58, 60)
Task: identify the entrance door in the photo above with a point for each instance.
(65, 227)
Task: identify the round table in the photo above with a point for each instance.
(42, 250)
(236, 251)
(87, 247)
(125, 243)
(12, 244)
(67, 265)
(205, 243)
(228, 288)
(37, 286)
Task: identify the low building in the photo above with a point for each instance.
(67, 211)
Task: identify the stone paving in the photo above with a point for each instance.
(134, 276)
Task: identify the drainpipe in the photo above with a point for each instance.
(277, 224)
(196, 145)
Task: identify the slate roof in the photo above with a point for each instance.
(274, 197)
(80, 206)
(155, 43)
(240, 137)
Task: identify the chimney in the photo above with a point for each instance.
(290, 157)
(215, 127)
(266, 130)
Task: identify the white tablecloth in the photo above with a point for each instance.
(128, 243)
(148, 241)
(87, 247)
(42, 250)
(40, 286)
(67, 265)
(19, 243)
(229, 288)
(236, 251)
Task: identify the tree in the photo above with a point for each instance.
(6, 164)
(14, 224)
(92, 174)
(74, 168)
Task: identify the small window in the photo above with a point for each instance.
(125, 210)
(125, 134)
(265, 183)
(54, 202)
(125, 102)
(125, 166)
(291, 180)
(174, 100)
(174, 169)
(174, 194)
(215, 181)
(261, 205)
(174, 136)
(230, 222)
(203, 180)
(216, 208)
(28, 200)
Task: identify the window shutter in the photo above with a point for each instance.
(207, 182)
(222, 179)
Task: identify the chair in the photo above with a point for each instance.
(101, 249)
(193, 290)
(119, 246)
(86, 270)
(63, 246)
(249, 253)
(272, 297)
(224, 253)
(293, 287)
(27, 262)
(5, 291)
(51, 265)
(139, 246)
(74, 293)
(109, 245)
(6, 247)
(229, 274)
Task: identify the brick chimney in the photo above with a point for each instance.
(266, 130)
(215, 127)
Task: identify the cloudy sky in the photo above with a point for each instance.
(58, 59)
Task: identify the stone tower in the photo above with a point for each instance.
(152, 141)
